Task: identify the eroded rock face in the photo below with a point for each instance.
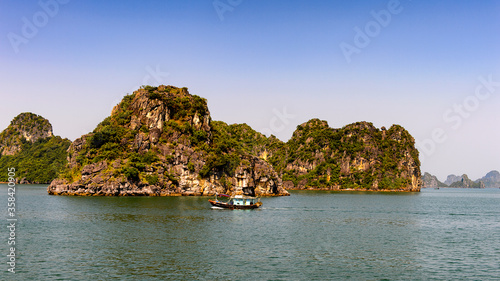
(157, 142)
(357, 156)
(256, 179)
(24, 127)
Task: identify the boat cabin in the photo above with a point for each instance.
(235, 202)
(244, 201)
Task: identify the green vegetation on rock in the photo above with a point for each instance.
(357, 156)
(38, 162)
(429, 180)
(29, 146)
(162, 141)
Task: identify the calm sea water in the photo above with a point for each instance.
(443, 234)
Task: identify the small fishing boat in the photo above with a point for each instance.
(235, 202)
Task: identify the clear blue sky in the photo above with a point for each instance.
(270, 64)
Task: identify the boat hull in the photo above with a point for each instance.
(234, 207)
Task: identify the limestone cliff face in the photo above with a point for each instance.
(160, 141)
(24, 127)
(357, 156)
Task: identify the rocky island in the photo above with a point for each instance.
(465, 182)
(161, 141)
(29, 145)
(431, 181)
(355, 157)
(491, 179)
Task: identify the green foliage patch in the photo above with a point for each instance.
(38, 162)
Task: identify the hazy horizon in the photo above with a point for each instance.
(431, 67)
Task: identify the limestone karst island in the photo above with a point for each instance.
(161, 141)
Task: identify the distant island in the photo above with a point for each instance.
(161, 141)
(491, 179)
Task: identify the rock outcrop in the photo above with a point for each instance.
(491, 179)
(452, 179)
(355, 157)
(29, 146)
(431, 181)
(465, 182)
(160, 141)
(26, 127)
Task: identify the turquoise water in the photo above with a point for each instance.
(440, 234)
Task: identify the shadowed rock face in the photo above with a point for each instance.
(159, 141)
(24, 127)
